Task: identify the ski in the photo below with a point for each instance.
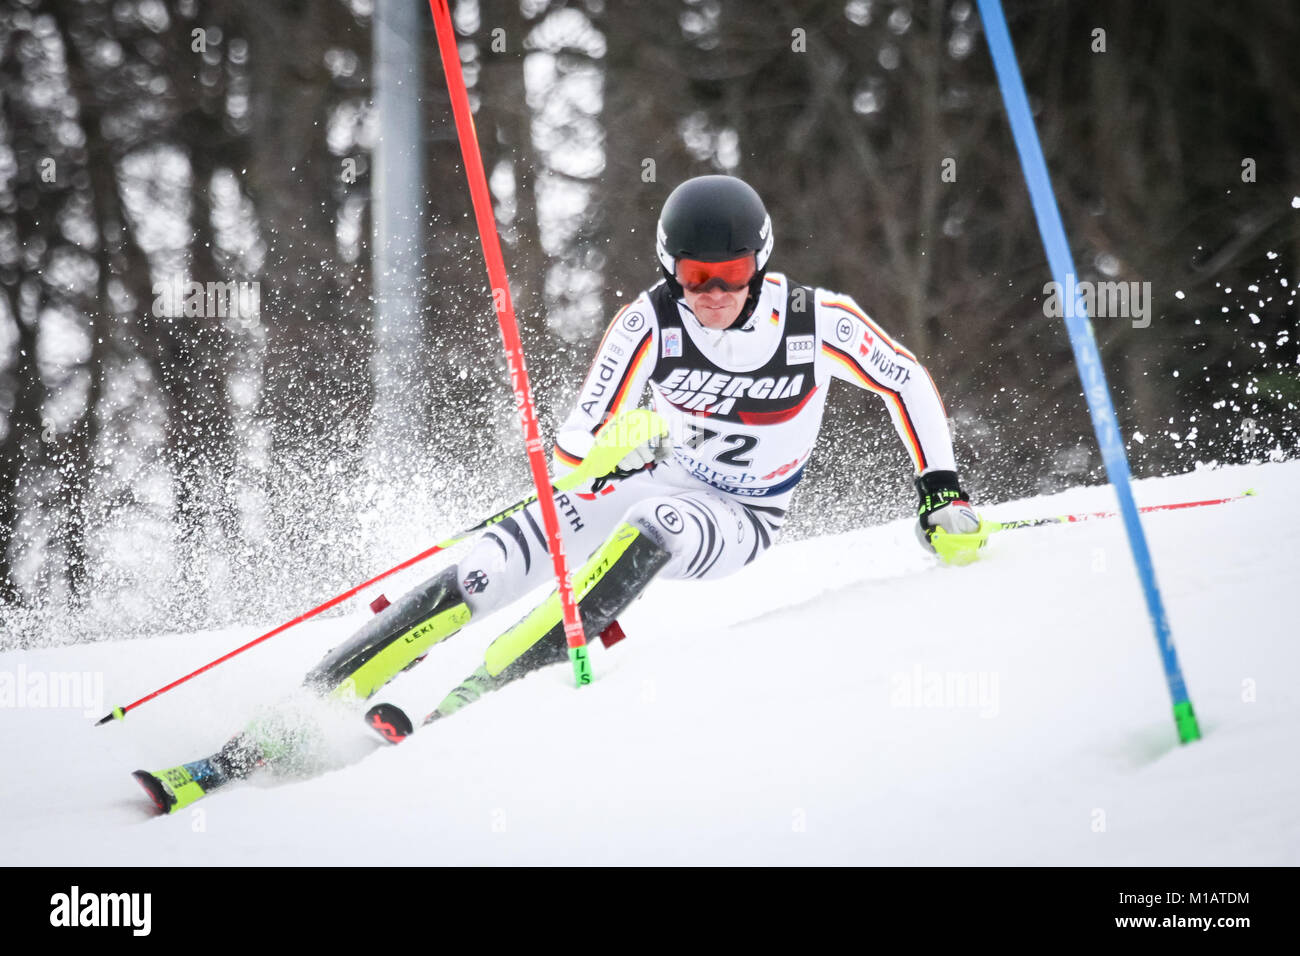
(393, 724)
(177, 787)
(390, 722)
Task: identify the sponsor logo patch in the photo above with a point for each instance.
(799, 350)
(886, 369)
(716, 393)
(868, 343)
(672, 347)
(844, 329)
(634, 322)
(670, 518)
(567, 508)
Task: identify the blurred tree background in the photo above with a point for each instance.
(163, 471)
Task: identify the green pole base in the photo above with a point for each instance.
(1185, 718)
(581, 665)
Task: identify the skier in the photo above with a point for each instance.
(738, 360)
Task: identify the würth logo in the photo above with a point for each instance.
(103, 909)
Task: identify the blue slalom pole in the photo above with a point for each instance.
(1086, 356)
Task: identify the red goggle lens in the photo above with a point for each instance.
(731, 276)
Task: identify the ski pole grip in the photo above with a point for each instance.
(616, 438)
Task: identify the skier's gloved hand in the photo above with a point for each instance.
(645, 455)
(948, 526)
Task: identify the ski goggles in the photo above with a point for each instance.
(733, 275)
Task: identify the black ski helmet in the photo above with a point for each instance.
(713, 219)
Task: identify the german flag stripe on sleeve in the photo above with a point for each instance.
(629, 376)
(846, 307)
(913, 442)
(571, 460)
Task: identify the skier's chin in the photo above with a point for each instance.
(716, 316)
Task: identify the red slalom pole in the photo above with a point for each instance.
(1084, 516)
(121, 712)
(1090, 515)
(567, 482)
(487, 232)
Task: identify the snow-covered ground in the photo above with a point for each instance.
(842, 701)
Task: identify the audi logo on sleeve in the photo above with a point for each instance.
(799, 350)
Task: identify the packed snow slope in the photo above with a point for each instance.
(842, 701)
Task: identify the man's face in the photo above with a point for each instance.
(716, 308)
(716, 291)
